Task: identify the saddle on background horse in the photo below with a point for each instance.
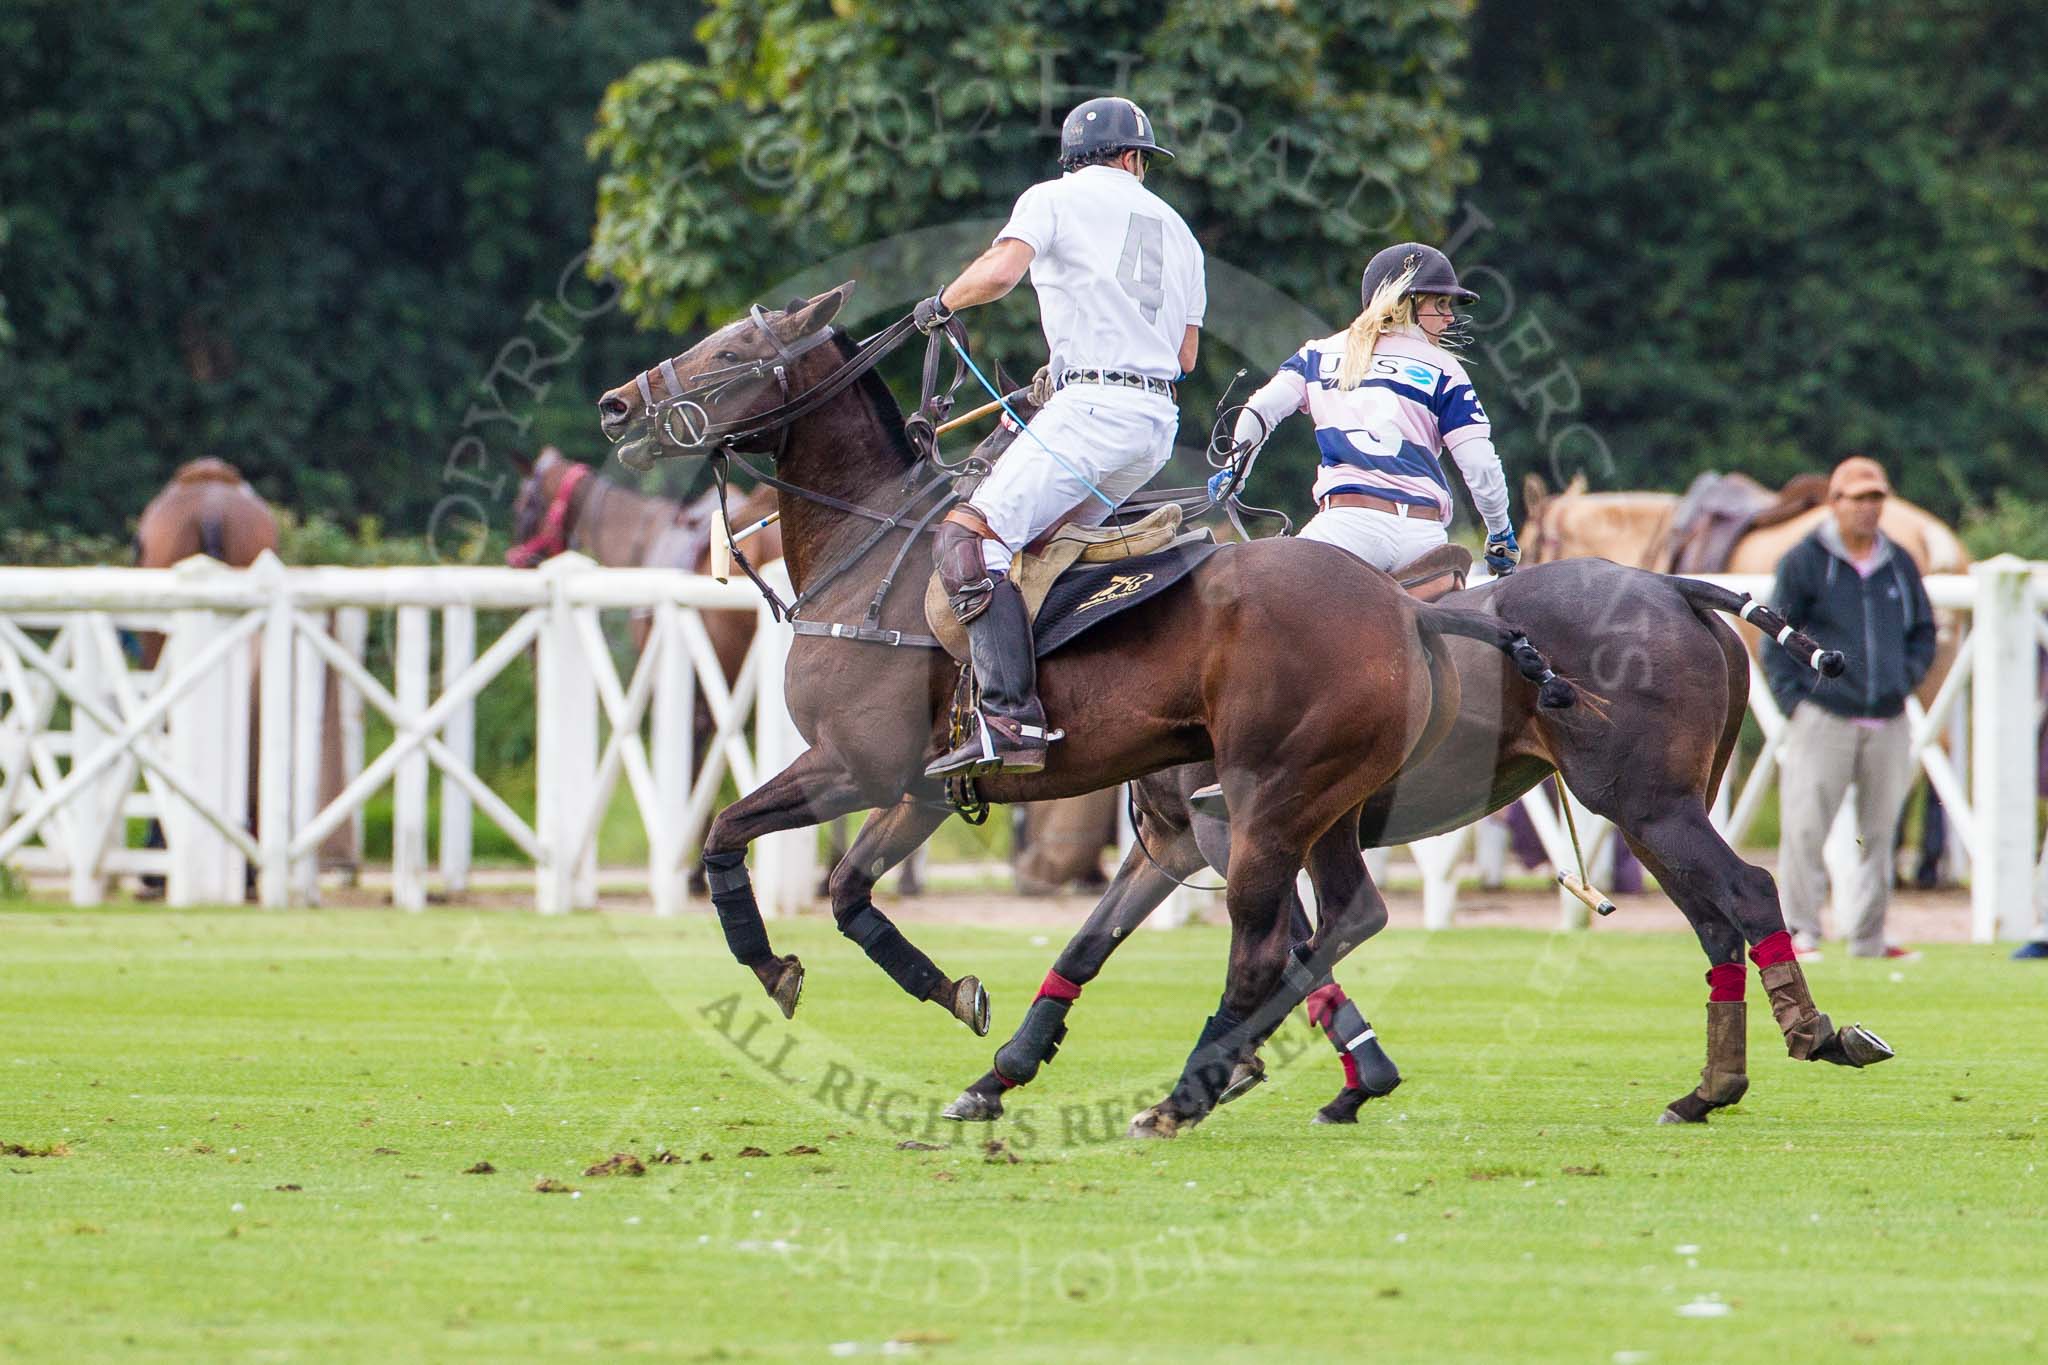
(1718, 510)
(1078, 576)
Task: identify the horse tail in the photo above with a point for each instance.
(1552, 692)
(213, 540)
(1703, 597)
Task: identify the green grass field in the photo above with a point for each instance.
(259, 1128)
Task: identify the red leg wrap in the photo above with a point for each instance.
(1773, 950)
(1351, 1079)
(1725, 981)
(1059, 988)
(1323, 1002)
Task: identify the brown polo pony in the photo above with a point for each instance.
(1672, 689)
(1309, 678)
(1663, 664)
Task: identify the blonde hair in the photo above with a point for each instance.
(1388, 308)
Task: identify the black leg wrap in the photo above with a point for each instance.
(1208, 1067)
(886, 947)
(1036, 1041)
(732, 895)
(1349, 1030)
(1295, 973)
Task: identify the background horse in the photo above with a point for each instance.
(1056, 844)
(1636, 528)
(206, 509)
(1309, 702)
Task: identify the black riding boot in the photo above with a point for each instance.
(1010, 734)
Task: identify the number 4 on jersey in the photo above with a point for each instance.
(1142, 269)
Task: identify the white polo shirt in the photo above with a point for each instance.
(1118, 275)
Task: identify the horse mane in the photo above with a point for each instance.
(882, 402)
(207, 469)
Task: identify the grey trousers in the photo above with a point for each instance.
(1824, 754)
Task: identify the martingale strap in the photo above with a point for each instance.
(867, 635)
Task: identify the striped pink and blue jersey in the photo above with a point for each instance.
(1382, 437)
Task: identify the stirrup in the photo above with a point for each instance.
(1209, 801)
(978, 757)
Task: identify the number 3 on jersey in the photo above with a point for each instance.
(1142, 269)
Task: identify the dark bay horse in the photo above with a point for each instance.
(1308, 677)
(1668, 680)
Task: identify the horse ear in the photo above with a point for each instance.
(806, 316)
(1534, 493)
(1578, 484)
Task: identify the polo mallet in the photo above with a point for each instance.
(1575, 882)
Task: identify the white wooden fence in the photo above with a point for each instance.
(260, 638)
(256, 642)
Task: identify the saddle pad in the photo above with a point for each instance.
(1089, 594)
(1035, 571)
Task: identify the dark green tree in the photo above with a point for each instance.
(297, 237)
(1763, 235)
(888, 138)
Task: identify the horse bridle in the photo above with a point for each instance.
(720, 442)
(688, 404)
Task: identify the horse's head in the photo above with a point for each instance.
(539, 484)
(693, 402)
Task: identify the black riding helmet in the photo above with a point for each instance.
(1434, 273)
(1108, 123)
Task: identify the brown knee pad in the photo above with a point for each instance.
(956, 552)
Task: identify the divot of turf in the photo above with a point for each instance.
(618, 1163)
(41, 1149)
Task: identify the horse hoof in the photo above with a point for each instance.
(1156, 1122)
(1854, 1046)
(789, 986)
(974, 1108)
(1344, 1108)
(1247, 1077)
(970, 1005)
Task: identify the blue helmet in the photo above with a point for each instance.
(1108, 123)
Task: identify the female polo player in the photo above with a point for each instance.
(1386, 398)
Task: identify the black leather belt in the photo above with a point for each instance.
(1120, 379)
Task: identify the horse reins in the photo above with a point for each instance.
(721, 442)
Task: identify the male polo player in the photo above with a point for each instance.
(1121, 295)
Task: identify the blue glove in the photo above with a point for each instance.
(1219, 483)
(1503, 552)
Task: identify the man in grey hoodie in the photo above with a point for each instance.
(1852, 589)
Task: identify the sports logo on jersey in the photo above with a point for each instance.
(1406, 370)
